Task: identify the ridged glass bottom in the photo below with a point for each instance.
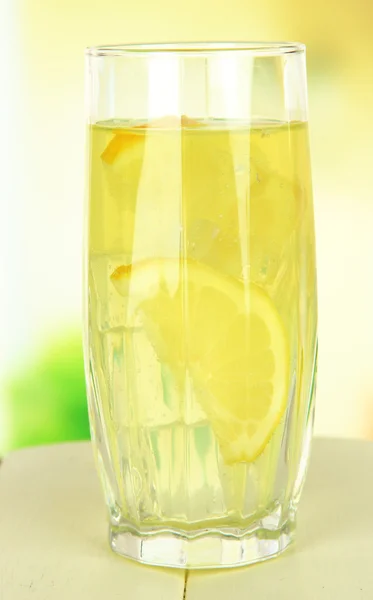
(214, 549)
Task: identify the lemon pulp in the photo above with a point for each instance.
(226, 334)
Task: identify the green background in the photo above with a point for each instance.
(46, 401)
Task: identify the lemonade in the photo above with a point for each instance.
(202, 320)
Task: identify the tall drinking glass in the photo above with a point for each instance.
(200, 332)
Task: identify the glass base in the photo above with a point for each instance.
(216, 549)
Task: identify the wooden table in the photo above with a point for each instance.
(53, 536)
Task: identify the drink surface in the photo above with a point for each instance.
(202, 317)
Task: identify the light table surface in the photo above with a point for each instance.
(53, 536)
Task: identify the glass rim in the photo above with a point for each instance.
(251, 48)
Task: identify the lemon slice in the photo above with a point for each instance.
(127, 139)
(227, 335)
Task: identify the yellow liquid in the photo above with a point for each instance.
(236, 197)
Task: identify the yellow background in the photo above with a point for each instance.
(42, 171)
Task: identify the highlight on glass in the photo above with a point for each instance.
(200, 295)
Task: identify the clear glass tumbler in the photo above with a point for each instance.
(200, 283)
